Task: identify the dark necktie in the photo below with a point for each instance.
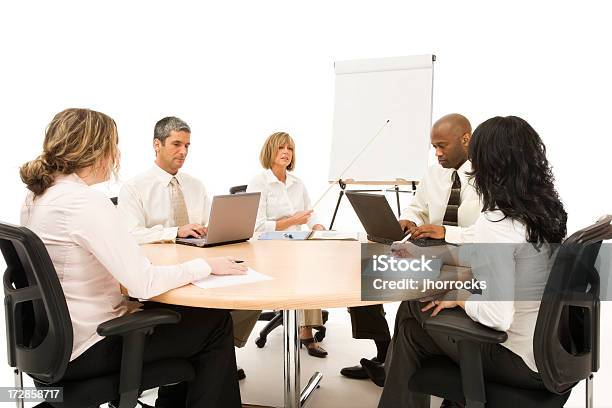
(452, 208)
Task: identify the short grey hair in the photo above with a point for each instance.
(166, 125)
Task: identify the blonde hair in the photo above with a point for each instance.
(271, 146)
(75, 139)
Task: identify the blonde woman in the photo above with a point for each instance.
(94, 254)
(285, 205)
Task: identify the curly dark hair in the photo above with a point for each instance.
(511, 174)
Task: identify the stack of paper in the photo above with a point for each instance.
(220, 281)
(304, 235)
(285, 235)
(335, 235)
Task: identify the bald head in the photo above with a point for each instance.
(453, 123)
(450, 136)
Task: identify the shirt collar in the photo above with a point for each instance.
(164, 177)
(465, 168)
(271, 178)
(69, 178)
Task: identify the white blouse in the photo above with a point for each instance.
(512, 269)
(279, 200)
(93, 253)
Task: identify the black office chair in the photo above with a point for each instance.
(275, 318)
(39, 332)
(566, 340)
(238, 189)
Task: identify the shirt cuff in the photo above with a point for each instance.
(197, 269)
(270, 226)
(471, 307)
(169, 234)
(454, 235)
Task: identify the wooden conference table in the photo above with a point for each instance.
(307, 275)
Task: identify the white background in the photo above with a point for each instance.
(239, 71)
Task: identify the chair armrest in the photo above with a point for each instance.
(456, 324)
(134, 328)
(138, 321)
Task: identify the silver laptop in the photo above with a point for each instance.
(232, 219)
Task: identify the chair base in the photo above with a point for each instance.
(94, 392)
(440, 376)
(275, 319)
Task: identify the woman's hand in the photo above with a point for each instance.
(301, 217)
(450, 300)
(318, 227)
(225, 265)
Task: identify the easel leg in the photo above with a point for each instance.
(342, 187)
(399, 208)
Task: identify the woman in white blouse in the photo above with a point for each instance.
(285, 205)
(93, 255)
(522, 214)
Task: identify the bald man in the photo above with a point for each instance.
(445, 206)
(431, 214)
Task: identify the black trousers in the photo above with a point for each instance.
(369, 322)
(204, 336)
(412, 345)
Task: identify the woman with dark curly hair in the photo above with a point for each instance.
(512, 175)
(521, 215)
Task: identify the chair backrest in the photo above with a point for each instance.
(238, 189)
(38, 325)
(566, 339)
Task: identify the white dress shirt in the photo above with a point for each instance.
(428, 205)
(279, 200)
(145, 204)
(512, 269)
(93, 253)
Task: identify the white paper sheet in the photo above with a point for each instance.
(217, 281)
(334, 236)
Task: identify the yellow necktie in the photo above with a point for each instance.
(179, 209)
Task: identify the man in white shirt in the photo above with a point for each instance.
(436, 211)
(148, 202)
(163, 204)
(429, 214)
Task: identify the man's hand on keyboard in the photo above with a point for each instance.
(407, 226)
(429, 231)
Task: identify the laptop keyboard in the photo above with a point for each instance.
(427, 242)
